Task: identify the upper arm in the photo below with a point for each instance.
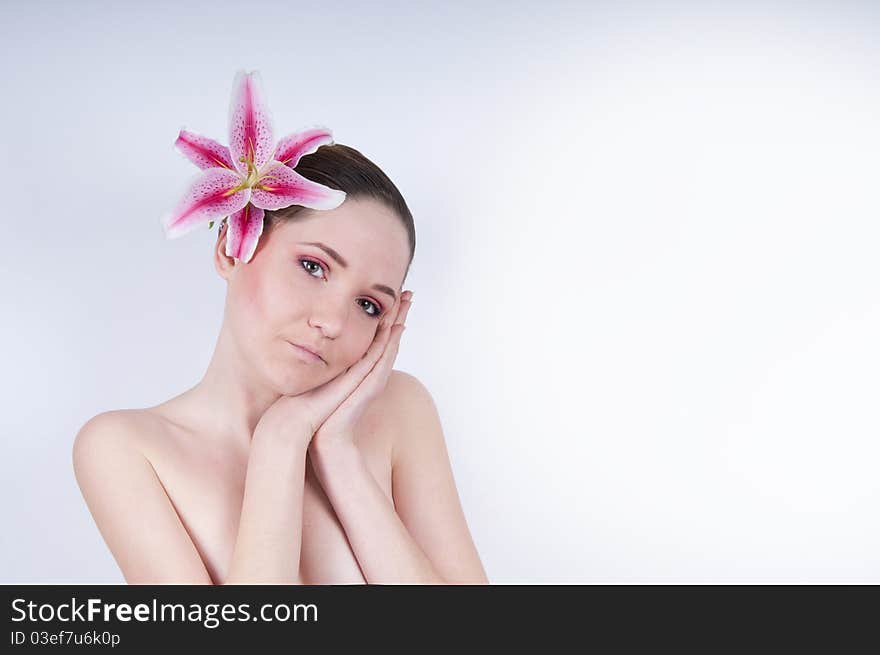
(423, 486)
(130, 506)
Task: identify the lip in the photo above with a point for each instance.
(305, 354)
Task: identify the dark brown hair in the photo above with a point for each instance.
(343, 168)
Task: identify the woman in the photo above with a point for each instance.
(301, 457)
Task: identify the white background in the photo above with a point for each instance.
(646, 273)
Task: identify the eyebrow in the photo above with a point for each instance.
(344, 264)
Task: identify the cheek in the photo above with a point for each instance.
(255, 310)
(270, 295)
(250, 302)
(359, 345)
(351, 350)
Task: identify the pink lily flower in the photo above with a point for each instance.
(251, 175)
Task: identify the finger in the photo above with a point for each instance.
(365, 382)
(395, 310)
(363, 366)
(389, 332)
(363, 379)
(383, 335)
(328, 396)
(388, 316)
(399, 307)
(404, 311)
(386, 362)
(381, 339)
(377, 378)
(389, 319)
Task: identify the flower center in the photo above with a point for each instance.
(248, 181)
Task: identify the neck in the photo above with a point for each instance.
(228, 402)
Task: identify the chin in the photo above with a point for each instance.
(294, 386)
(294, 382)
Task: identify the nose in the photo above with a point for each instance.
(329, 317)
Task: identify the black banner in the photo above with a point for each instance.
(543, 618)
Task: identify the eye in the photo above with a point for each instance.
(308, 262)
(377, 310)
(372, 309)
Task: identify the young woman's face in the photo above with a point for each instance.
(294, 291)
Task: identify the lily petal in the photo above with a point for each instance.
(204, 152)
(280, 186)
(295, 146)
(207, 199)
(243, 232)
(250, 125)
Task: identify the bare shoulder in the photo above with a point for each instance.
(423, 484)
(405, 398)
(408, 392)
(410, 410)
(392, 412)
(113, 432)
(129, 503)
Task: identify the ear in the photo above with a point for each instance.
(222, 262)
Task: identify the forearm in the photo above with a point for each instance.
(384, 548)
(269, 540)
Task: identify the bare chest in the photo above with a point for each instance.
(206, 489)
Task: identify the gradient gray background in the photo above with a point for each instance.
(646, 274)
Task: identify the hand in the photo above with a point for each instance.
(339, 425)
(335, 406)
